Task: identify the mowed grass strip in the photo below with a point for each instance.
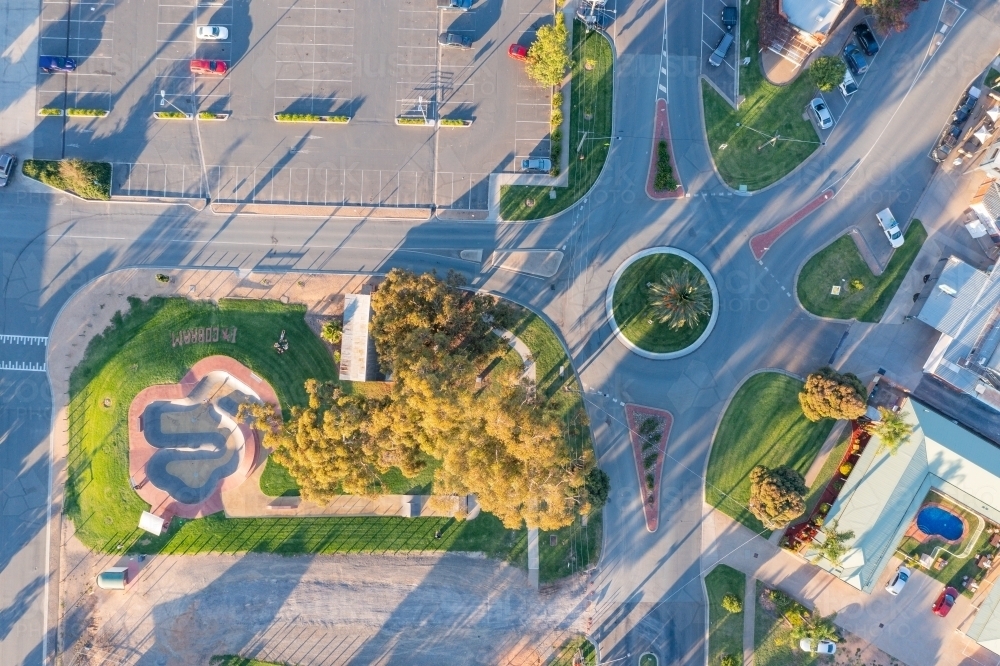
(773, 644)
(763, 425)
(634, 314)
(591, 95)
(725, 629)
(769, 109)
(236, 660)
(840, 263)
(136, 352)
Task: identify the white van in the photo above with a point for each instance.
(848, 86)
(722, 50)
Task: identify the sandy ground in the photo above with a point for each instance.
(855, 651)
(315, 610)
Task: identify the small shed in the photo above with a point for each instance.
(115, 578)
(151, 523)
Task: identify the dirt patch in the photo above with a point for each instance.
(315, 611)
(855, 651)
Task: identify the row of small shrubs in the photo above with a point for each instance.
(89, 113)
(309, 118)
(555, 138)
(650, 434)
(170, 114)
(409, 120)
(664, 172)
(50, 112)
(453, 122)
(89, 180)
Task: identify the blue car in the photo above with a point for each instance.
(49, 64)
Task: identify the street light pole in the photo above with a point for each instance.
(164, 101)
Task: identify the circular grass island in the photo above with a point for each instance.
(635, 319)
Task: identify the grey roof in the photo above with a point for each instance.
(812, 16)
(985, 629)
(951, 301)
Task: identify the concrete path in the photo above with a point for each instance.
(749, 616)
(522, 350)
(533, 557)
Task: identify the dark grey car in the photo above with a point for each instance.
(450, 39)
(7, 162)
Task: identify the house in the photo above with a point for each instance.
(986, 202)
(884, 493)
(964, 306)
(809, 25)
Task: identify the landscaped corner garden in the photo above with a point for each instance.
(862, 295)
(737, 138)
(763, 425)
(662, 303)
(591, 66)
(725, 627)
(88, 180)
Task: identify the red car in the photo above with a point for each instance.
(945, 601)
(518, 52)
(209, 67)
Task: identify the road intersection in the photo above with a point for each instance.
(646, 591)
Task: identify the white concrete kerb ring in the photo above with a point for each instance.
(609, 304)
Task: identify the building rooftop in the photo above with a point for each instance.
(815, 17)
(884, 492)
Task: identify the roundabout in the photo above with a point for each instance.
(684, 286)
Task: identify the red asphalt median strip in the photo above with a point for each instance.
(661, 130)
(762, 242)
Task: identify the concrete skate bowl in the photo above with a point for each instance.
(185, 443)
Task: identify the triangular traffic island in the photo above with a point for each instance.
(649, 430)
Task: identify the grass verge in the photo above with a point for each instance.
(571, 649)
(136, 352)
(773, 645)
(236, 660)
(763, 425)
(747, 158)
(89, 180)
(276, 481)
(725, 629)
(591, 95)
(634, 315)
(840, 264)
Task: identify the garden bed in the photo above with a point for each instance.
(87, 180)
(648, 431)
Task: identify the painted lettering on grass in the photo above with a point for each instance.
(201, 335)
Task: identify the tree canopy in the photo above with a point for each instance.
(834, 545)
(891, 430)
(497, 441)
(827, 72)
(776, 495)
(547, 56)
(889, 14)
(827, 394)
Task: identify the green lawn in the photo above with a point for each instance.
(590, 94)
(568, 651)
(773, 110)
(993, 79)
(276, 481)
(648, 660)
(136, 352)
(234, 660)
(633, 313)
(841, 264)
(952, 573)
(763, 425)
(725, 629)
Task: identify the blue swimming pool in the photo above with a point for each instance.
(935, 521)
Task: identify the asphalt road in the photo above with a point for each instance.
(646, 591)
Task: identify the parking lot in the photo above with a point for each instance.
(835, 100)
(725, 77)
(373, 63)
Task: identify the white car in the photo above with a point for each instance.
(824, 646)
(822, 113)
(848, 86)
(887, 221)
(895, 585)
(212, 32)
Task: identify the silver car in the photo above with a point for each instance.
(7, 162)
(822, 113)
(536, 164)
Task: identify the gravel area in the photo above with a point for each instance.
(345, 609)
